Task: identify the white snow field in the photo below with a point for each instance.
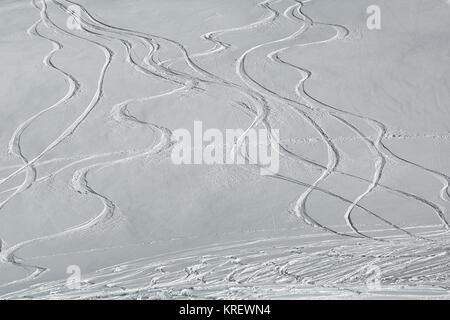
(92, 91)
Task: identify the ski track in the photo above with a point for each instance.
(262, 267)
(382, 151)
(8, 254)
(79, 180)
(266, 268)
(341, 32)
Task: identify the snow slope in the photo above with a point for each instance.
(86, 179)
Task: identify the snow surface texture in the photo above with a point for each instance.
(359, 207)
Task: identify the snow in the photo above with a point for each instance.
(92, 92)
